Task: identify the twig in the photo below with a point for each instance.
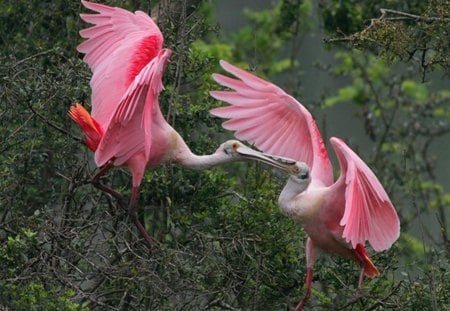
(412, 16)
(384, 12)
(33, 56)
(380, 302)
(53, 125)
(14, 133)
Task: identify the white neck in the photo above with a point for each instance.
(200, 162)
(185, 157)
(290, 190)
(292, 202)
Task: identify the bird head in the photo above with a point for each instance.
(300, 174)
(236, 150)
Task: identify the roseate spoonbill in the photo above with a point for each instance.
(339, 217)
(126, 126)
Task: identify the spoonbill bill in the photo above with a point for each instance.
(125, 52)
(338, 216)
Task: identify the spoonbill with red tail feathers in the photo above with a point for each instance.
(338, 216)
(125, 52)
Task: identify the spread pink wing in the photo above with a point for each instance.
(118, 47)
(264, 115)
(369, 214)
(128, 133)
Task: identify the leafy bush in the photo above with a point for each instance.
(223, 244)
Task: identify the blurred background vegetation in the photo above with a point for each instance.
(223, 243)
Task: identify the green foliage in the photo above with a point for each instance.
(416, 91)
(344, 16)
(347, 17)
(18, 289)
(411, 31)
(263, 41)
(360, 68)
(38, 24)
(34, 296)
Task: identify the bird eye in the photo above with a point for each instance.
(304, 175)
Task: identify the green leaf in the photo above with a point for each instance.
(416, 245)
(415, 90)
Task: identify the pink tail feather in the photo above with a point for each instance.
(92, 130)
(369, 268)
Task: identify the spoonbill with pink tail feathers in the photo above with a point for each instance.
(126, 127)
(338, 216)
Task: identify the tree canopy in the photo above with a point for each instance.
(222, 242)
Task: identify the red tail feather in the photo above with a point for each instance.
(369, 268)
(92, 130)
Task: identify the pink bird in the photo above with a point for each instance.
(126, 127)
(338, 216)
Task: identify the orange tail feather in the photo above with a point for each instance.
(369, 268)
(92, 130)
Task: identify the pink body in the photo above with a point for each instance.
(126, 127)
(354, 209)
(338, 216)
(125, 53)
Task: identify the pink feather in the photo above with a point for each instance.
(128, 132)
(124, 52)
(263, 114)
(118, 46)
(272, 108)
(369, 214)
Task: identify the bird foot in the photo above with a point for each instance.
(302, 302)
(143, 232)
(308, 284)
(116, 195)
(131, 210)
(360, 293)
(300, 306)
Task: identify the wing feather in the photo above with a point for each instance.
(369, 214)
(237, 85)
(236, 99)
(279, 133)
(117, 48)
(249, 79)
(129, 130)
(263, 114)
(230, 112)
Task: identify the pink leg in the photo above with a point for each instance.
(307, 293)
(132, 208)
(103, 170)
(361, 277)
(310, 258)
(359, 252)
(97, 184)
(132, 211)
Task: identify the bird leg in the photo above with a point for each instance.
(361, 277)
(307, 293)
(132, 207)
(97, 184)
(366, 267)
(132, 212)
(310, 258)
